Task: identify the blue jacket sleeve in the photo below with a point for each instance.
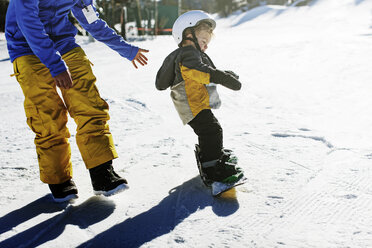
(33, 30)
(102, 32)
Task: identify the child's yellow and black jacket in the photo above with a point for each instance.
(187, 71)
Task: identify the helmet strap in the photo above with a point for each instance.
(193, 39)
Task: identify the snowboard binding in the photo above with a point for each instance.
(224, 169)
(221, 174)
(203, 176)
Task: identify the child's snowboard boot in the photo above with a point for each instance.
(223, 170)
(105, 181)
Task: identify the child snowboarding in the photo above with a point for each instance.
(192, 77)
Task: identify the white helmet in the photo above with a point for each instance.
(190, 19)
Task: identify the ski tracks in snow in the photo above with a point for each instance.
(307, 192)
(339, 196)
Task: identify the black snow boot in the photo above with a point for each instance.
(64, 191)
(105, 181)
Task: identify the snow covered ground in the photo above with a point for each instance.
(301, 126)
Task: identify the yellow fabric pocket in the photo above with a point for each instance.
(33, 120)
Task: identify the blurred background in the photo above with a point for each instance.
(139, 18)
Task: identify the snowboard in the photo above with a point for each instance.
(219, 187)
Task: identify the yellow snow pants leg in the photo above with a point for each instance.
(47, 115)
(89, 111)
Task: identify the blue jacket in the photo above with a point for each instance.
(41, 27)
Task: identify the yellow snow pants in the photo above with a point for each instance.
(47, 115)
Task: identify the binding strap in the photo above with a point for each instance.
(209, 164)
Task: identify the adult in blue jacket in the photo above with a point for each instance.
(42, 48)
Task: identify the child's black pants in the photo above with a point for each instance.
(209, 132)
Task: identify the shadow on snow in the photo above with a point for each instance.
(181, 202)
(357, 2)
(84, 215)
(161, 219)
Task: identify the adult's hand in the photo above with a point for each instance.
(63, 80)
(140, 58)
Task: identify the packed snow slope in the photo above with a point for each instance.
(301, 127)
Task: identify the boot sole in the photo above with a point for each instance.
(114, 191)
(65, 199)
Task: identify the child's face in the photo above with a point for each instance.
(203, 39)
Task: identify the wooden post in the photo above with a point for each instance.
(139, 24)
(156, 18)
(179, 7)
(113, 14)
(123, 20)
